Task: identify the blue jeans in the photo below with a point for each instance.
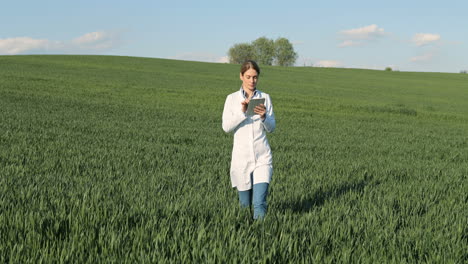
(256, 196)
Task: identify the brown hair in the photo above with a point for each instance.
(250, 64)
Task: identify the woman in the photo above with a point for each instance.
(251, 163)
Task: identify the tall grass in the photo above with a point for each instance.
(120, 159)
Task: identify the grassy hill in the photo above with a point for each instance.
(107, 158)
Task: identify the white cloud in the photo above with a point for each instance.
(422, 58)
(90, 42)
(359, 36)
(328, 63)
(200, 56)
(422, 39)
(224, 59)
(367, 32)
(349, 43)
(96, 41)
(89, 38)
(11, 46)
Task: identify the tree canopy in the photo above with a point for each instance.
(265, 51)
(240, 53)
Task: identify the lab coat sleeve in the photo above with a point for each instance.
(232, 115)
(269, 123)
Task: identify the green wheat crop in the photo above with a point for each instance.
(120, 159)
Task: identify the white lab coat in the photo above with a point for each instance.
(251, 151)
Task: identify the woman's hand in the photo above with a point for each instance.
(244, 104)
(260, 110)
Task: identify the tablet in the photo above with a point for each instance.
(252, 104)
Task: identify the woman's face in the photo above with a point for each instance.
(249, 79)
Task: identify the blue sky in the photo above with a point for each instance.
(405, 35)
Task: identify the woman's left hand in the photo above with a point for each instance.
(260, 110)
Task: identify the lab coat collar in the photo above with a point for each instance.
(245, 95)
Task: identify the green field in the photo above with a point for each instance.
(121, 159)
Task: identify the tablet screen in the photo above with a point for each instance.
(252, 104)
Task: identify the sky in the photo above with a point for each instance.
(422, 36)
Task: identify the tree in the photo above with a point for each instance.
(284, 52)
(264, 50)
(241, 52)
(388, 68)
(464, 72)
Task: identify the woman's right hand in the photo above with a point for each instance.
(244, 104)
